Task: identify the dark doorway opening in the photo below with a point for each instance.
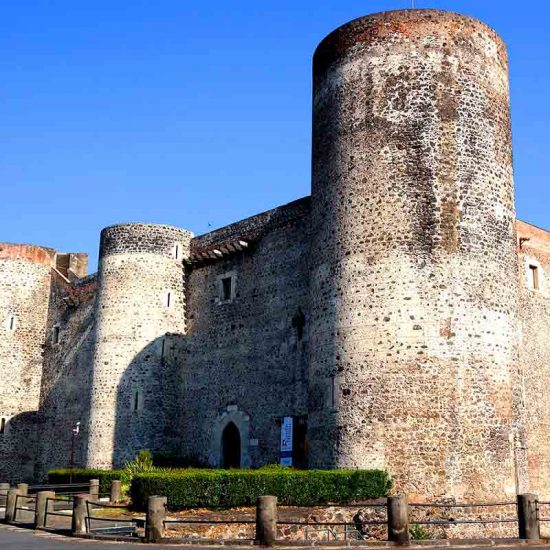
(299, 442)
(231, 447)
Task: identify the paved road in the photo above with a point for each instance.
(17, 538)
(25, 539)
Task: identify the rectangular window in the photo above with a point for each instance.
(2, 426)
(162, 347)
(534, 277)
(227, 288)
(55, 335)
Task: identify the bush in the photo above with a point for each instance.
(63, 475)
(418, 532)
(228, 488)
(163, 459)
(142, 463)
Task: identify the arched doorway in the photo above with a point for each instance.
(231, 447)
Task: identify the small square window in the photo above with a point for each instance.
(534, 281)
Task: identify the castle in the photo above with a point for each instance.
(397, 318)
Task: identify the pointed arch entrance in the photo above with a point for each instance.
(231, 447)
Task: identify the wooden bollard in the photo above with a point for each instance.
(115, 490)
(24, 488)
(42, 506)
(11, 504)
(94, 489)
(528, 521)
(398, 519)
(80, 513)
(154, 521)
(266, 520)
(4, 488)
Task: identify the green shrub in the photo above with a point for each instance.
(142, 463)
(63, 475)
(418, 532)
(228, 488)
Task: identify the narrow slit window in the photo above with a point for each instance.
(162, 347)
(168, 299)
(227, 289)
(137, 402)
(2, 426)
(11, 322)
(177, 251)
(55, 335)
(534, 277)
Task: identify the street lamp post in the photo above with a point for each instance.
(75, 432)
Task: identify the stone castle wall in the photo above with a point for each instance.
(534, 250)
(413, 281)
(245, 359)
(387, 311)
(66, 380)
(141, 300)
(24, 297)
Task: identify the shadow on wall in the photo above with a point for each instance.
(148, 402)
(17, 446)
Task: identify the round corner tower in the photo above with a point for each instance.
(141, 303)
(25, 279)
(414, 277)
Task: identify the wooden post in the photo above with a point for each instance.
(42, 505)
(80, 513)
(528, 521)
(94, 489)
(398, 519)
(24, 488)
(11, 503)
(154, 521)
(266, 520)
(115, 490)
(4, 488)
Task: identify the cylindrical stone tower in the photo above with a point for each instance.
(140, 308)
(25, 278)
(414, 277)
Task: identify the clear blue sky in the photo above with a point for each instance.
(190, 112)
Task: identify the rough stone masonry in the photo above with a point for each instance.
(398, 318)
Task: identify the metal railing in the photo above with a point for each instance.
(119, 526)
(210, 522)
(452, 521)
(19, 507)
(50, 510)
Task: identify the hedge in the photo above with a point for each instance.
(63, 475)
(228, 488)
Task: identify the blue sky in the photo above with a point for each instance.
(193, 113)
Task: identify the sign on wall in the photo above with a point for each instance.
(286, 441)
